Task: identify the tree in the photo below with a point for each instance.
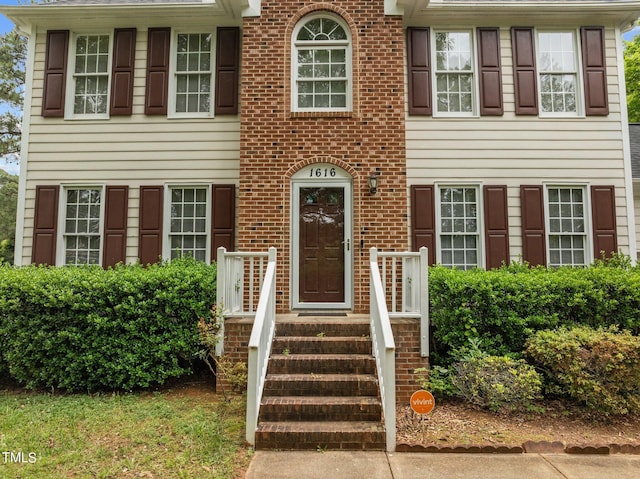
(632, 75)
(8, 206)
(13, 52)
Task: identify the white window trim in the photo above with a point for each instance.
(481, 234)
(166, 218)
(588, 228)
(71, 86)
(173, 74)
(62, 216)
(580, 108)
(475, 89)
(294, 63)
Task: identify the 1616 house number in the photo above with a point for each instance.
(322, 172)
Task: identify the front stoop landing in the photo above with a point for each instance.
(321, 389)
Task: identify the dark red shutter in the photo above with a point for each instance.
(496, 218)
(156, 94)
(123, 70)
(150, 224)
(534, 245)
(524, 70)
(489, 72)
(227, 70)
(223, 222)
(594, 65)
(45, 225)
(603, 213)
(419, 68)
(55, 73)
(423, 219)
(115, 226)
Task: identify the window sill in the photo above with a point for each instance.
(322, 114)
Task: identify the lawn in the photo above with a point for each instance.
(181, 432)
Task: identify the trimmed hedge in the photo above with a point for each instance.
(87, 329)
(504, 307)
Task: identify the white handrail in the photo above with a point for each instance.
(384, 350)
(414, 288)
(260, 346)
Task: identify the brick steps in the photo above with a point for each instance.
(321, 389)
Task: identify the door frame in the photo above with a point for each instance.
(302, 179)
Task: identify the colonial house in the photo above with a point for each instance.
(487, 131)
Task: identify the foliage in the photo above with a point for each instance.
(632, 77)
(13, 52)
(497, 383)
(599, 368)
(85, 328)
(8, 207)
(504, 307)
(169, 434)
(437, 381)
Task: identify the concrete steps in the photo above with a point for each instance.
(321, 390)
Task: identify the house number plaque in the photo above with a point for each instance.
(322, 171)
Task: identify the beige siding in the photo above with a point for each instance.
(514, 150)
(636, 202)
(136, 150)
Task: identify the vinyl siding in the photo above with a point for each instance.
(636, 202)
(514, 150)
(125, 150)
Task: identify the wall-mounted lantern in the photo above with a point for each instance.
(373, 183)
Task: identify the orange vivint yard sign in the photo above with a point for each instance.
(422, 402)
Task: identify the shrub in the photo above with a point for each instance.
(86, 328)
(598, 368)
(504, 307)
(497, 383)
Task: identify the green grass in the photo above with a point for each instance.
(181, 433)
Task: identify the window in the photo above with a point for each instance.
(90, 75)
(82, 226)
(188, 222)
(454, 73)
(193, 74)
(567, 226)
(321, 64)
(557, 72)
(459, 227)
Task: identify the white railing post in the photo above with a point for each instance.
(221, 275)
(260, 346)
(424, 301)
(384, 349)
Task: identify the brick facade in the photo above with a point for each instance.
(276, 142)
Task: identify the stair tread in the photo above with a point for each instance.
(333, 356)
(322, 426)
(320, 376)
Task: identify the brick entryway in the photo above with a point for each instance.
(321, 389)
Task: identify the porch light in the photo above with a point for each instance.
(373, 183)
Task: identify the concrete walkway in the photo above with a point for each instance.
(380, 465)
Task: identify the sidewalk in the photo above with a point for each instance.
(380, 465)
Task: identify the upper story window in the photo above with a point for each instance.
(82, 237)
(454, 72)
(321, 64)
(192, 81)
(89, 95)
(557, 72)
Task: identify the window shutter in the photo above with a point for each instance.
(524, 70)
(223, 222)
(55, 73)
(423, 219)
(489, 72)
(227, 70)
(594, 66)
(419, 68)
(150, 224)
(123, 69)
(496, 225)
(45, 225)
(603, 212)
(115, 226)
(534, 246)
(157, 90)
